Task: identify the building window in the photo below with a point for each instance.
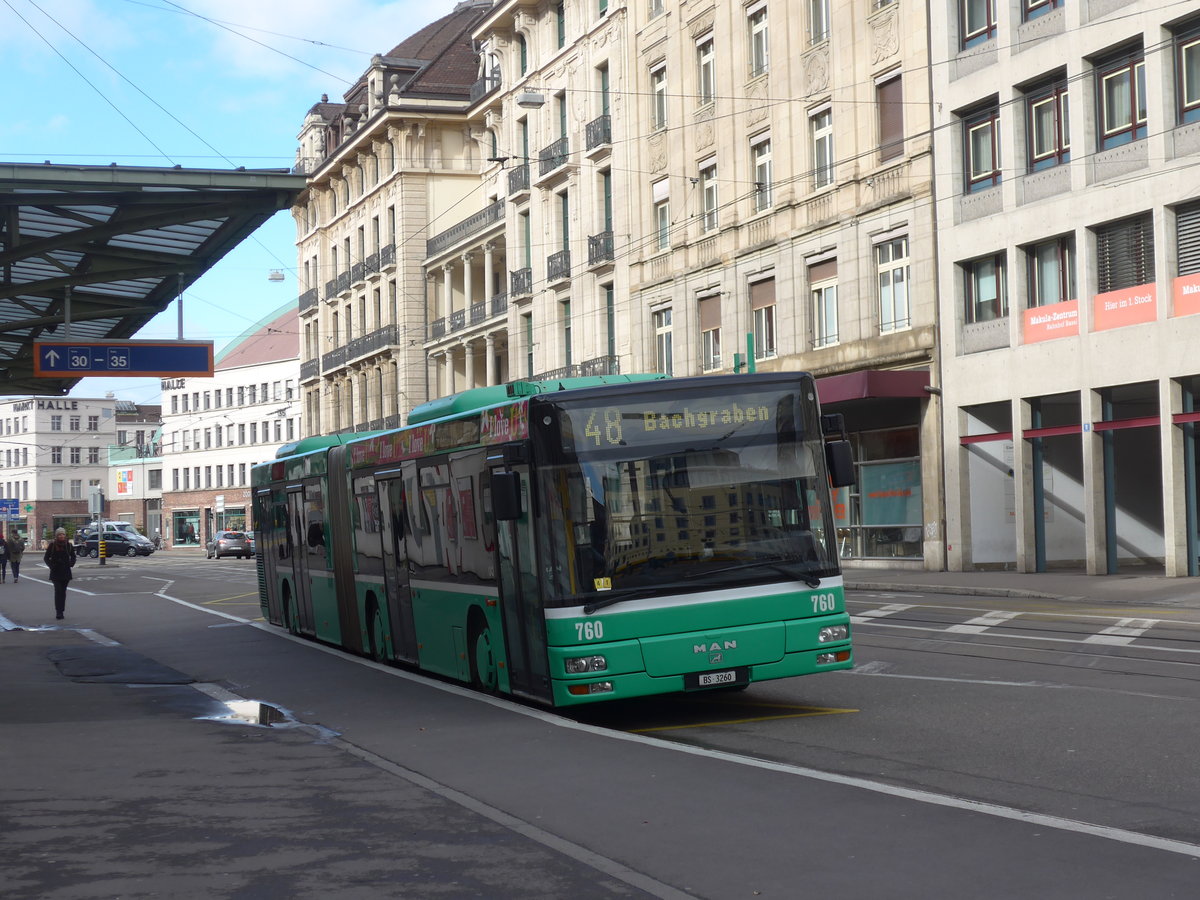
(76, 487)
(821, 128)
(818, 21)
(984, 289)
(764, 178)
(154, 482)
(660, 192)
(56, 456)
(522, 54)
(56, 489)
(706, 76)
(1187, 75)
(528, 330)
(977, 21)
(56, 423)
(891, 264)
(93, 455)
(174, 404)
(756, 20)
(663, 343)
(74, 423)
(1048, 126)
(710, 333)
(1052, 271)
(566, 332)
(1031, 9)
(1121, 83)
(889, 104)
(93, 423)
(822, 279)
(762, 308)
(658, 98)
(708, 196)
(560, 25)
(981, 145)
(1125, 254)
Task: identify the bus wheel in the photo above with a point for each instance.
(484, 672)
(375, 637)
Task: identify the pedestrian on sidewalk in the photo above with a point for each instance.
(16, 549)
(60, 557)
(3, 560)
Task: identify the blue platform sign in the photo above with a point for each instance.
(9, 509)
(134, 359)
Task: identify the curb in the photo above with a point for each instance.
(955, 589)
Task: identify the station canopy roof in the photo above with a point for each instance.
(121, 242)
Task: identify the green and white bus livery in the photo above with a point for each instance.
(571, 541)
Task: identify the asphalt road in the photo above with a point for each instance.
(975, 738)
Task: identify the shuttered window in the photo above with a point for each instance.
(1125, 254)
(1187, 234)
(889, 100)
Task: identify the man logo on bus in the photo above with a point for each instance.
(714, 646)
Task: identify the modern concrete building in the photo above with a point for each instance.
(215, 429)
(133, 487)
(1069, 227)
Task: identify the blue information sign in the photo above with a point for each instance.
(9, 508)
(135, 359)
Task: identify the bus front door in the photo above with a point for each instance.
(524, 621)
(393, 516)
(299, 608)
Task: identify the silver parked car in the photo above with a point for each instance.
(230, 543)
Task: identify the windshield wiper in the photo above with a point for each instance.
(627, 594)
(783, 566)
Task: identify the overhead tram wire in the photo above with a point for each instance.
(88, 81)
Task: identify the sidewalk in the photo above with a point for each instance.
(1122, 589)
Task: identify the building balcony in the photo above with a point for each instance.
(310, 369)
(309, 300)
(518, 180)
(600, 249)
(342, 283)
(598, 135)
(358, 273)
(601, 365)
(387, 255)
(437, 329)
(558, 266)
(368, 344)
(487, 218)
(553, 157)
(372, 264)
(484, 86)
(457, 320)
(520, 282)
(334, 359)
(500, 305)
(331, 288)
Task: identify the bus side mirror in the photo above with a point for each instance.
(506, 496)
(840, 463)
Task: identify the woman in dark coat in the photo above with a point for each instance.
(60, 557)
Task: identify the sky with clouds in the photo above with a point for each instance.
(198, 83)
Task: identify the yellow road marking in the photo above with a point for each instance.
(228, 599)
(806, 711)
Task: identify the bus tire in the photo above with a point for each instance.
(375, 635)
(287, 609)
(485, 673)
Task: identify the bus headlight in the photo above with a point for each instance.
(833, 633)
(578, 665)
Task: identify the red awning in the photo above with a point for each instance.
(866, 385)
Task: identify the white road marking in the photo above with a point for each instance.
(888, 610)
(984, 622)
(1125, 631)
(1058, 823)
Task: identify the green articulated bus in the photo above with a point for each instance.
(571, 541)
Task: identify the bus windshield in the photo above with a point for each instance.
(649, 496)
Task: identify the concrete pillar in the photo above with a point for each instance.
(1023, 507)
(469, 354)
(447, 291)
(488, 274)
(1094, 513)
(468, 286)
(490, 362)
(1174, 478)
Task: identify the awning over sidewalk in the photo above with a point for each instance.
(868, 385)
